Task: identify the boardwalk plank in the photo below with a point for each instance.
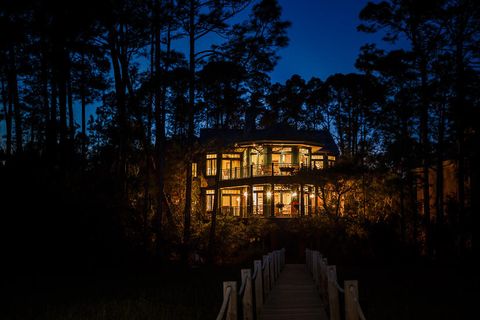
(294, 297)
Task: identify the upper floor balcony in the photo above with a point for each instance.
(261, 170)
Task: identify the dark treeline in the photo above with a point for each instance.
(121, 181)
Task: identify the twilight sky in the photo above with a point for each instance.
(323, 38)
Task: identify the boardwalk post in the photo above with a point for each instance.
(271, 271)
(351, 294)
(307, 264)
(247, 300)
(333, 303)
(310, 258)
(277, 256)
(274, 258)
(266, 275)
(258, 286)
(232, 302)
(315, 267)
(324, 263)
(320, 270)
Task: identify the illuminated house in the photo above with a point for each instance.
(262, 172)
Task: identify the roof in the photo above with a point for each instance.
(277, 133)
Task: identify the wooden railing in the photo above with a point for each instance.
(247, 302)
(262, 170)
(325, 277)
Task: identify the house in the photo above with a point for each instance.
(262, 173)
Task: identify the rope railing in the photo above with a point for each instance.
(226, 298)
(253, 289)
(255, 272)
(333, 279)
(242, 287)
(325, 278)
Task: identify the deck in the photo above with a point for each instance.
(294, 296)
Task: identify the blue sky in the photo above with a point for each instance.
(323, 38)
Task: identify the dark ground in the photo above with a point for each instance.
(388, 290)
(416, 290)
(169, 293)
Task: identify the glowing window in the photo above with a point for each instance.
(211, 164)
(194, 169)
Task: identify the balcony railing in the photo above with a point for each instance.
(239, 211)
(260, 170)
(284, 211)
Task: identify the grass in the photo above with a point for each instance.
(170, 293)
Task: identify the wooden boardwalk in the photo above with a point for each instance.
(294, 297)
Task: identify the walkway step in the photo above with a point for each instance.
(294, 297)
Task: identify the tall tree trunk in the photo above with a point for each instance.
(45, 94)
(52, 127)
(71, 119)
(120, 94)
(159, 124)
(459, 114)
(61, 80)
(213, 222)
(424, 130)
(83, 101)
(15, 102)
(7, 110)
(190, 132)
(439, 201)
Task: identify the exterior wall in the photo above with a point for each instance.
(285, 194)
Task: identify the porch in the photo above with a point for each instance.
(265, 200)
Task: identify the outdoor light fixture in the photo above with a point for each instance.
(269, 194)
(245, 194)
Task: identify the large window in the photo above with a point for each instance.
(282, 155)
(258, 200)
(211, 164)
(231, 166)
(210, 198)
(231, 201)
(282, 160)
(194, 169)
(257, 158)
(285, 200)
(317, 161)
(331, 161)
(304, 155)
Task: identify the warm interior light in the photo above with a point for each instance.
(245, 194)
(294, 194)
(312, 195)
(269, 194)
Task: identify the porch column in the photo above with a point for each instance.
(218, 195)
(250, 201)
(316, 199)
(272, 200)
(302, 201)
